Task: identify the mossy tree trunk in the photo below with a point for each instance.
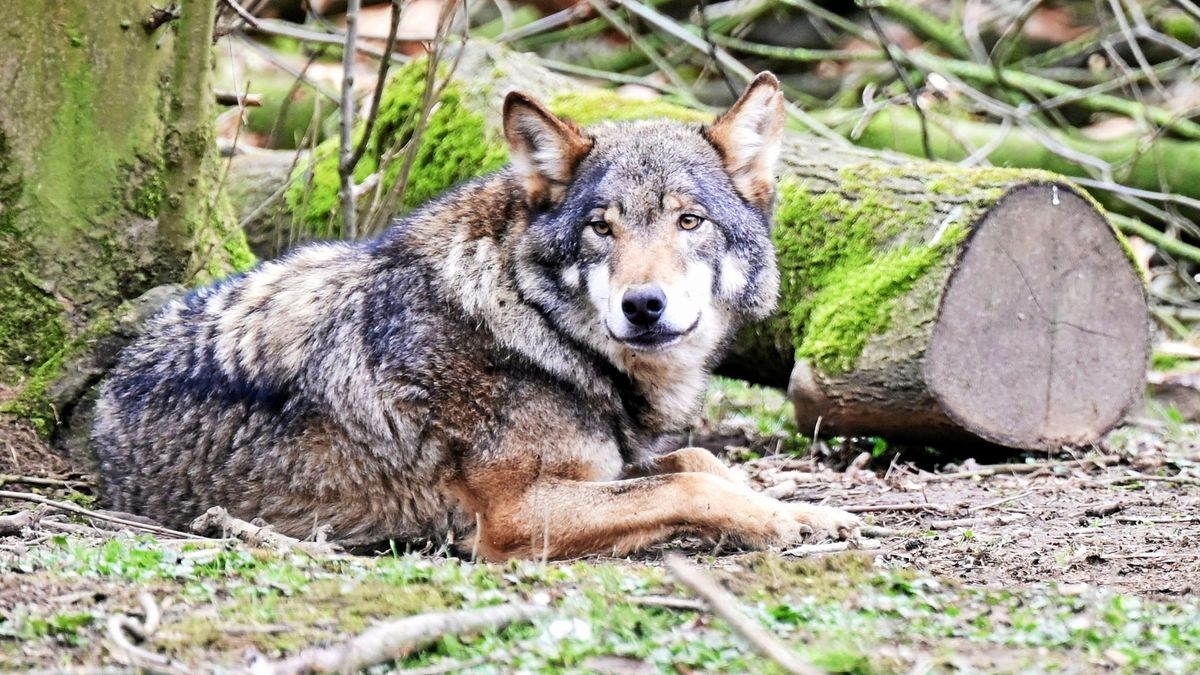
(108, 177)
(918, 299)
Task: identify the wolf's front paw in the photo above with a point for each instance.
(825, 522)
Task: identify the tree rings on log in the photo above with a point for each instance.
(1040, 339)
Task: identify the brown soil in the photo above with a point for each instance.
(1101, 525)
(1071, 523)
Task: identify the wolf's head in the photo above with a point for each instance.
(649, 237)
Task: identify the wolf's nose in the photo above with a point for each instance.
(643, 305)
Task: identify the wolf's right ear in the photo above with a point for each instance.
(545, 149)
(749, 137)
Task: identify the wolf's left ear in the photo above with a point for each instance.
(749, 137)
(545, 150)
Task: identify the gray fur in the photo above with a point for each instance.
(355, 384)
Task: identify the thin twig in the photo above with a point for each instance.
(15, 524)
(229, 98)
(6, 478)
(395, 639)
(973, 522)
(1157, 520)
(726, 606)
(688, 37)
(121, 627)
(217, 519)
(1010, 469)
(907, 506)
(346, 149)
(913, 94)
(99, 515)
(667, 602)
(1141, 477)
(832, 547)
(291, 30)
(379, 83)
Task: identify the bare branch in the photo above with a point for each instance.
(726, 606)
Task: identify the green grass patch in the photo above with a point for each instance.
(840, 612)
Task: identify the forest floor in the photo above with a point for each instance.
(1073, 562)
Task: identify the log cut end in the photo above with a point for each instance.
(1042, 338)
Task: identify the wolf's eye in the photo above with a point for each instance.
(601, 228)
(689, 221)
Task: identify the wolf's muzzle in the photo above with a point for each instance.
(644, 305)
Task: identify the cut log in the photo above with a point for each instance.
(1034, 337)
(918, 299)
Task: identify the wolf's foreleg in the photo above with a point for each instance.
(561, 518)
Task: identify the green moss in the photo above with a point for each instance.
(845, 257)
(456, 144)
(352, 606)
(33, 402)
(238, 254)
(591, 107)
(32, 322)
(858, 300)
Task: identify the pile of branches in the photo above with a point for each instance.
(1104, 91)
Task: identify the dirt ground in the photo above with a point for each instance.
(1127, 519)
(1132, 525)
(1122, 517)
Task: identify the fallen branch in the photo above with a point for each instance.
(726, 606)
(1013, 469)
(39, 481)
(348, 110)
(395, 639)
(217, 519)
(997, 502)
(121, 627)
(907, 506)
(834, 547)
(1102, 510)
(972, 522)
(1141, 477)
(230, 98)
(99, 515)
(15, 524)
(667, 602)
(875, 532)
(1156, 520)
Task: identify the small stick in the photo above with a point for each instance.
(885, 532)
(1102, 510)
(667, 602)
(1182, 480)
(1134, 520)
(346, 153)
(99, 515)
(394, 639)
(908, 506)
(38, 481)
(834, 547)
(14, 524)
(971, 522)
(1010, 469)
(726, 606)
(121, 626)
(998, 502)
(241, 100)
(218, 519)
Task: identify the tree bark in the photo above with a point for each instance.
(918, 299)
(108, 181)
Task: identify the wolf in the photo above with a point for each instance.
(509, 366)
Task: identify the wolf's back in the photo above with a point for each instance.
(212, 403)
